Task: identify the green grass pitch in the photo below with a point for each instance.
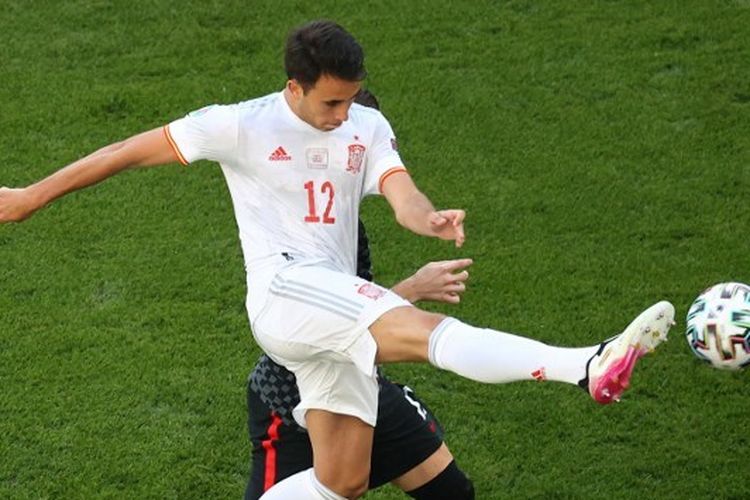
(600, 148)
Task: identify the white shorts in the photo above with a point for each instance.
(315, 322)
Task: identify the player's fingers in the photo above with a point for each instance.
(456, 264)
(451, 298)
(436, 219)
(449, 279)
(458, 217)
(459, 232)
(4, 210)
(460, 277)
(456, 287)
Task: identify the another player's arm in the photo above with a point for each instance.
(442, 281)
(146, 149)
(414, 211)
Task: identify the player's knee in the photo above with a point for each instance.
(402, 334)
(351, 487)
(424, 320)
(352, 484)
(451, 484)
(358, 490)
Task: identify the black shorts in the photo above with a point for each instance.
(406, 434)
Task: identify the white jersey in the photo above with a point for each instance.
(296, 190)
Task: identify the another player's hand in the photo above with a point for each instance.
(15, 204)
(448, 225)
(442, 281)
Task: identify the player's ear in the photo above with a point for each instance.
(295, 88)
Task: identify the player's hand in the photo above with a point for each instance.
(442, 281)
(448, 225)
(15, 204)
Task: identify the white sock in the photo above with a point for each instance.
(496, 357)
(302, 485)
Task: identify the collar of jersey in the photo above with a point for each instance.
(296, 120)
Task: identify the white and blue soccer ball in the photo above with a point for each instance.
(718, 326)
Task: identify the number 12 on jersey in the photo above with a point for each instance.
(312, 213)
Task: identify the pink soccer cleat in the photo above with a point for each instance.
(608, 371)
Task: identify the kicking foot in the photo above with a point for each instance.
(608, 371)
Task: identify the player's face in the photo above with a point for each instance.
(326, 105)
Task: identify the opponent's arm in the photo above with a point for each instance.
(442, 281)
(146, 149)
(414, 211)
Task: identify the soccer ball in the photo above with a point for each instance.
(718, 326)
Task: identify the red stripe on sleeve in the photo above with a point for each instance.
(168, 135)
(389, 173)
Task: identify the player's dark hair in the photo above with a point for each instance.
(323, 47)
(367, 98)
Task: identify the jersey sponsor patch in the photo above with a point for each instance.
(356, 156)
(317, 158)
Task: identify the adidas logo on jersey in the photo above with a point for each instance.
(279, 154)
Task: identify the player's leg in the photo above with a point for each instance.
(408, 334)
(339, 404)
(338, 407)
(342, 445)
(315, 322)
(341, 449)
(325, 315)
(437, 478)
(341, 460)
(484, 355)
(408, 447)
(449, 484)
(426, 471)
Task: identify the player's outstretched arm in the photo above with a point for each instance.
(145, 149)
(442, 281)
(414, 211)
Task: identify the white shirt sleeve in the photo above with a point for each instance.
(383, 156)
(211, 133)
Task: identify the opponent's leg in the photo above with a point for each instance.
(279, 447)
(426, 471)
(450, 484)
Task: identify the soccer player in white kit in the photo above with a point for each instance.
(297, 164)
